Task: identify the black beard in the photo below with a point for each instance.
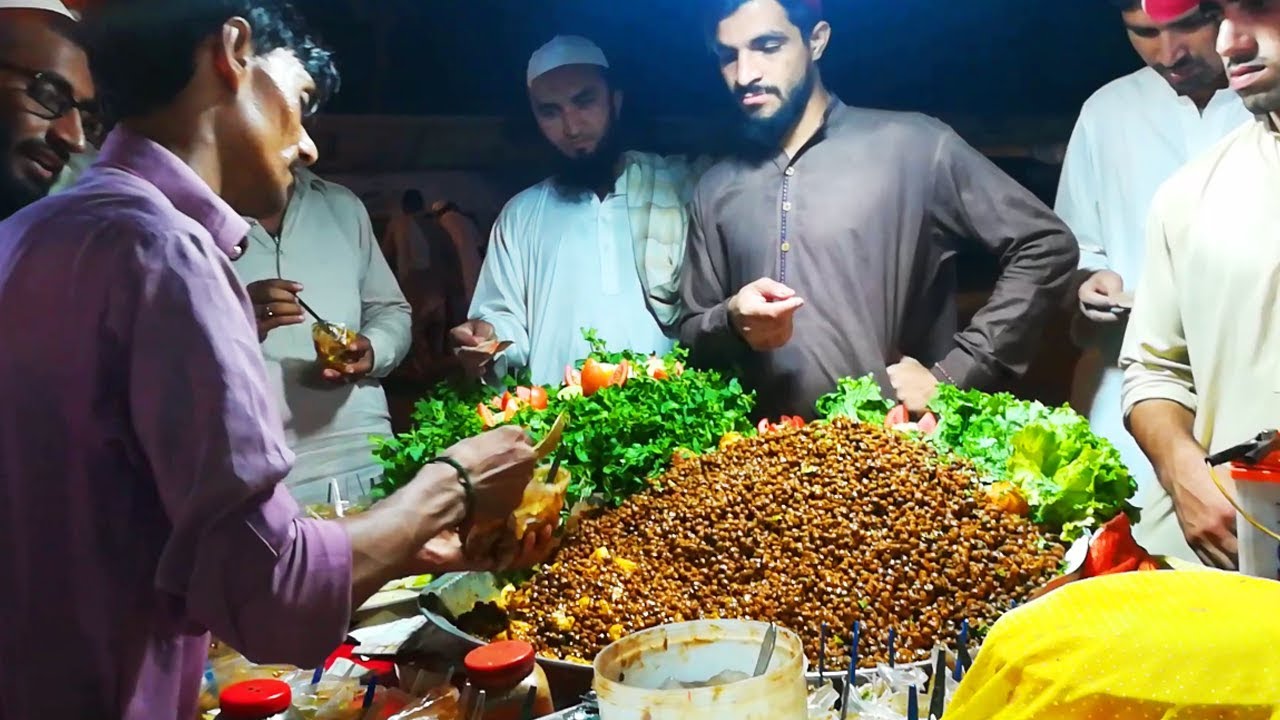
(15, 192)
(583, 175)
(761, 137)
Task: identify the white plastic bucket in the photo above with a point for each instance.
(628, 673)
(1258, 495)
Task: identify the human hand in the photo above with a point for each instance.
(275, 304)
(500, 464)
(914, 385)
(468, 338)
(1207, 518)
(359, 363)
(1103, 299)
(763, 313)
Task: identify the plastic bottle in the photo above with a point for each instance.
(507, 672)
(256, 700)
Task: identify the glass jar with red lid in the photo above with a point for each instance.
(509, 675)
(264, 699)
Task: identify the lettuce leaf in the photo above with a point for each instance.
(859, 399)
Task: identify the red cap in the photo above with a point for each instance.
(254, 700)
(500, 665)
(1163, 11)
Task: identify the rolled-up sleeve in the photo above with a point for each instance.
(274, 586)
(1154, 357)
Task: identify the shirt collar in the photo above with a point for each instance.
(146, 159)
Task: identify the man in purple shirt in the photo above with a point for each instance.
(45, 99)
(140, 450)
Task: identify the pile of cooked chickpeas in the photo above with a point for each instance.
(829, 524)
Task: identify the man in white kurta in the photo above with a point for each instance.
(596, 246)
(1202, 353)
(1132, 135)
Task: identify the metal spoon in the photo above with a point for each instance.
(332, 327)
(766, 650)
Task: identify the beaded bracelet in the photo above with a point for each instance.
(468, 490)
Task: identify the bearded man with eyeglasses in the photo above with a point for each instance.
(46, 99)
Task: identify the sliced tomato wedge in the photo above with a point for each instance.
(487, 416)
(928, 423)
(537, 397)
(794, 421)
(764, 427)
(597, 376)
(523, 394)
(897, 416)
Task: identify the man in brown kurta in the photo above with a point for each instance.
(827, 248)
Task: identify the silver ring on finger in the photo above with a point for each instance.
(266, 312)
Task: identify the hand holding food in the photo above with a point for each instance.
(499, 464)
(914, 385)
(762, 313)
(275, 304)
(346, 359)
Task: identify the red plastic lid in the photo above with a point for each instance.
(254, 700)
(500, 665)
(1255, 473)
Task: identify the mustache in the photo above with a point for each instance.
(1179, 67)
(742, 91)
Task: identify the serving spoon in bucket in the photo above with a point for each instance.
(766, 650)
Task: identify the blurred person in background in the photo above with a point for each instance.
(598, 245)
(1131, 136)
(826, 247)
(140, 444)
(437, 261)
(1201, 353)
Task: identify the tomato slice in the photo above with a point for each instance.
(538, 397)
(795, 421)
(928, 423)
(657, 369)
(897, 416)
(595, 376)
(487, 416)
(764, 427)
(523, 393)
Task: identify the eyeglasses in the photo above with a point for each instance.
(56, 98)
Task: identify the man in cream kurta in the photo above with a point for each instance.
(1202, 355)
(1133, 134)
(325, 243)
(1203, 332)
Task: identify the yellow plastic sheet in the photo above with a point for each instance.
(1197, 645)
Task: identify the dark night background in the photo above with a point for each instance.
(993, 59)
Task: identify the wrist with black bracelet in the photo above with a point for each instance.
(468, 491)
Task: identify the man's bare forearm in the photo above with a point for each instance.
(386, 539)
(1163, 429)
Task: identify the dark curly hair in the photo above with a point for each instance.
(142, 52)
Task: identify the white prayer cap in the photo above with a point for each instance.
(564, 50)
(53, 6)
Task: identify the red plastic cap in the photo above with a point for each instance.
(1164, 11)
(254, 700)
(500, 665)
